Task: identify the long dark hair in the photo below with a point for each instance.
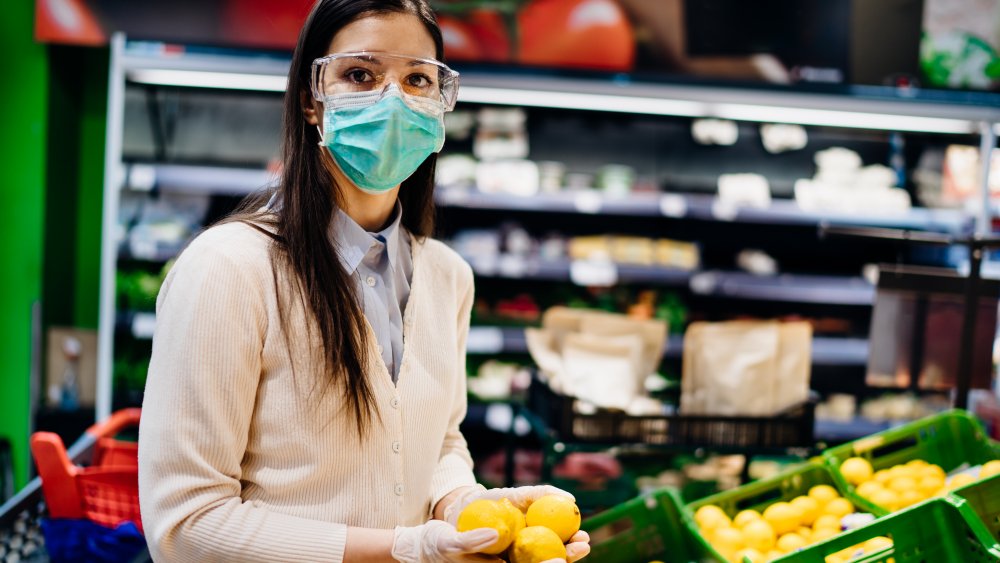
(301, 222)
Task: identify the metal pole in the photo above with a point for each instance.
(968, 336)
(109, 222)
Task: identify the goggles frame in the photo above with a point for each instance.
(447, 79)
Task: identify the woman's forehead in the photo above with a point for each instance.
(398, 33)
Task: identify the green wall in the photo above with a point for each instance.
(23, 100)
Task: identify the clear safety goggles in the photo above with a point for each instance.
(362, 77)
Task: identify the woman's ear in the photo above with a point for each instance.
(310, 108)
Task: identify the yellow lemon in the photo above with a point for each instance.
(903, 471)
(916, 463)
(809, 507)
(930, 484)
(960, 480)
(856, 470)
(791, 542)
(910, 497)
(827, 521)
(727, 541)
(750, 554)
(806, 533)
(886, 498)
(823, 534)
(823, 493)
(745, 517)
(515, 518)
(878, 543)
(759, 535)
(989, 469)
(485, 513)
(868, 488)
(932, 469)
(783, 517)
(535, 544)
(773, 554)
(881, 476)
(556, 512)
(710, 517)
(902, 484)
(838, 507)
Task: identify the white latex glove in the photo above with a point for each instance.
(521, 497)
(438, 541)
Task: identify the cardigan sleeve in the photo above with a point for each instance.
(454, 467)
(200, 395)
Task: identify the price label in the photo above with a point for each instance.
(593, 273)
(724, 211)
(673, 205)
(485, 340)
(142, 177)
(587, 202)
(143, 325)
(703, 283)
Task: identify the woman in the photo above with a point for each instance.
(308, 377)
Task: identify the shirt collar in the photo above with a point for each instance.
(353, 241)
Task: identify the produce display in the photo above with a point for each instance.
(536, 535)
(781, 528)
(908, 483)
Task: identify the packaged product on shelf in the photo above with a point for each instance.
(745, 367)
(601, 358)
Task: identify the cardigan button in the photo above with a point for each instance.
(394, 402)
(396, 447)
(399, 489)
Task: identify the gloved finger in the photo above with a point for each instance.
(576, 551)
(526, 495)
(475, 540)
(580, 536)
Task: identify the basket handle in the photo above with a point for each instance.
(58, 475)
(119, 420)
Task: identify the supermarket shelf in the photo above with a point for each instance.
(184, 178)
(794, 288)
(241, 181)
(826, 351)
(699, 206)
(580, 272)
(842, 431)
(866, 108)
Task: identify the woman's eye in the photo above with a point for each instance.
(419, 81)
(358, 76)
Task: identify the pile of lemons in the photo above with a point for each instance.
(537, 535)
(783, 527)
(908, 483)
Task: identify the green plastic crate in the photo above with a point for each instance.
(936, 531)
(949, 439)
(647, 528)
(758, 495)
(983, 498)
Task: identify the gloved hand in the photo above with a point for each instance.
(438, 541)
(521, 497)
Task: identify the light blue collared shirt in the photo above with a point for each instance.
(382, 267)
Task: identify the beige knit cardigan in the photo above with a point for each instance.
(242, 458)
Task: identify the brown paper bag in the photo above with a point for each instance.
(752, 368)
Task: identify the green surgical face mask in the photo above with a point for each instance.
(378, 139)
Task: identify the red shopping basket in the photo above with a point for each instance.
(107, 491)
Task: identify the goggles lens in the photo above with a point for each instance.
(367, 72)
